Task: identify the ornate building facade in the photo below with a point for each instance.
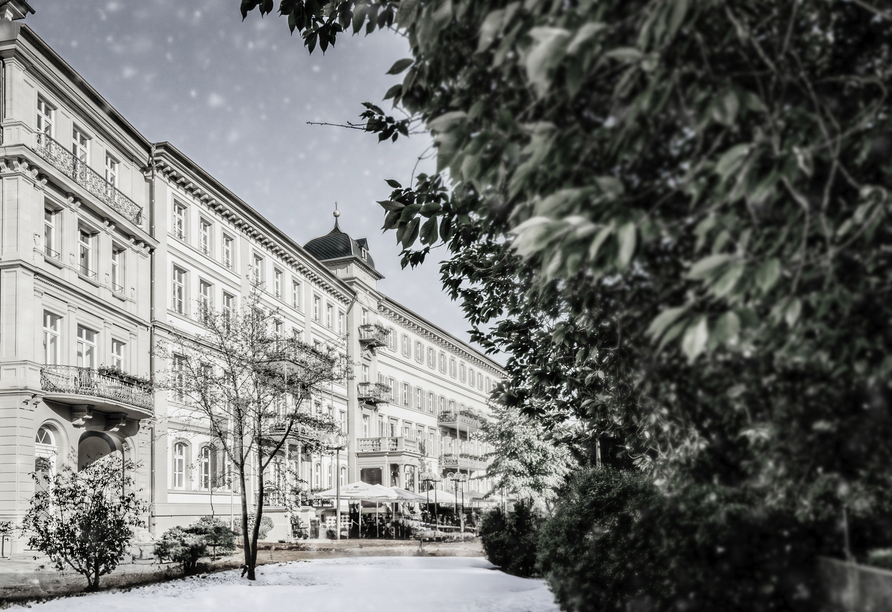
(110, 243)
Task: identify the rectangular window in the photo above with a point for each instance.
(431, 358)
(442, 362)
(46, 116)
(50, 246)
(365, 426)
(419, 399)
(430, 402)
(391, 339)
(179, 466)
(488, 385)
(365, 316)
(392, 384)
(228, 308)
(442, 405)
(258, 269)
(86, 347)
(295, 294)
(452, 367)
(407, 352)
(461, 372)
(365, 373)
(405, 394)
(317, 307)
(204, 238)
(117, 269)
(277, 283)
(179, 378)
(205, 299)
(80, 145)
(227, 251)
(179, 220)
(85, 253)
(479, 381)
(342, 322)
(419, 352)
(111, 170)
(118, 354)
(178, 291)
(329, 315)
(51, 339)
(471, 377)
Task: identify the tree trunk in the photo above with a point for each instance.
(246, 541)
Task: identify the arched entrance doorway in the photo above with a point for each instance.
(95, 445)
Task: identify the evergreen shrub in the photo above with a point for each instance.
(509, 540)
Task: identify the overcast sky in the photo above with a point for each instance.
(236, 98)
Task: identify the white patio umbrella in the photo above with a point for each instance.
(408, 496)
(361, 491)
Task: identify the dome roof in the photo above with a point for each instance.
(336, 244)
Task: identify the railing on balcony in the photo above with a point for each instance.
(87, 381)
(372, 335)
(64, 160)
(376, 445)
(463, 420)
(51, 253)
(463, 461)
(373, 393)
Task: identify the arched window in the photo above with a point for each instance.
(179, 465)
(45, 451)
(204, 468)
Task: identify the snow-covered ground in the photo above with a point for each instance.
(391, 584)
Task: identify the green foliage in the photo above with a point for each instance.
(266, 525)
(509, 540)
(880, 557)
(84, 520)
(217, 535)
(524, 460)
(181, 546)
(188, 545)
(671, 215)
(615, 540)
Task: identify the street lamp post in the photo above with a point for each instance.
(462, 478)
(428, 477)
(337, 442)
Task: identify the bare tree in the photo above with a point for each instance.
(251, 389)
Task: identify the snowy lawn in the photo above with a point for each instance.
(391, 584)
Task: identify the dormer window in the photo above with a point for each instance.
(364, 253)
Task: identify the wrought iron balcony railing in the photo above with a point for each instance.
(373, 393)
(463, 461)
(467, 422)
(374, 445)
(52, 254)
(87, 381)
(372, 335)
(64, 160)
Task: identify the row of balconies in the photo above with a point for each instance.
(65, 161)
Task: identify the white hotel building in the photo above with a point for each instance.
(109, 242)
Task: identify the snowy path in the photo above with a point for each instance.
(391, 584)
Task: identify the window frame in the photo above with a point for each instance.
(51, 233)
(86, 345)
(178, 465)
(80, 145)
(228, 251)
(179, 283)
(52, 337)
(179, 221)
(86, 251)
(118, 258)
(205, 237)
(118, 347)
(46, 118)
(112, 170)
(295, 295)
